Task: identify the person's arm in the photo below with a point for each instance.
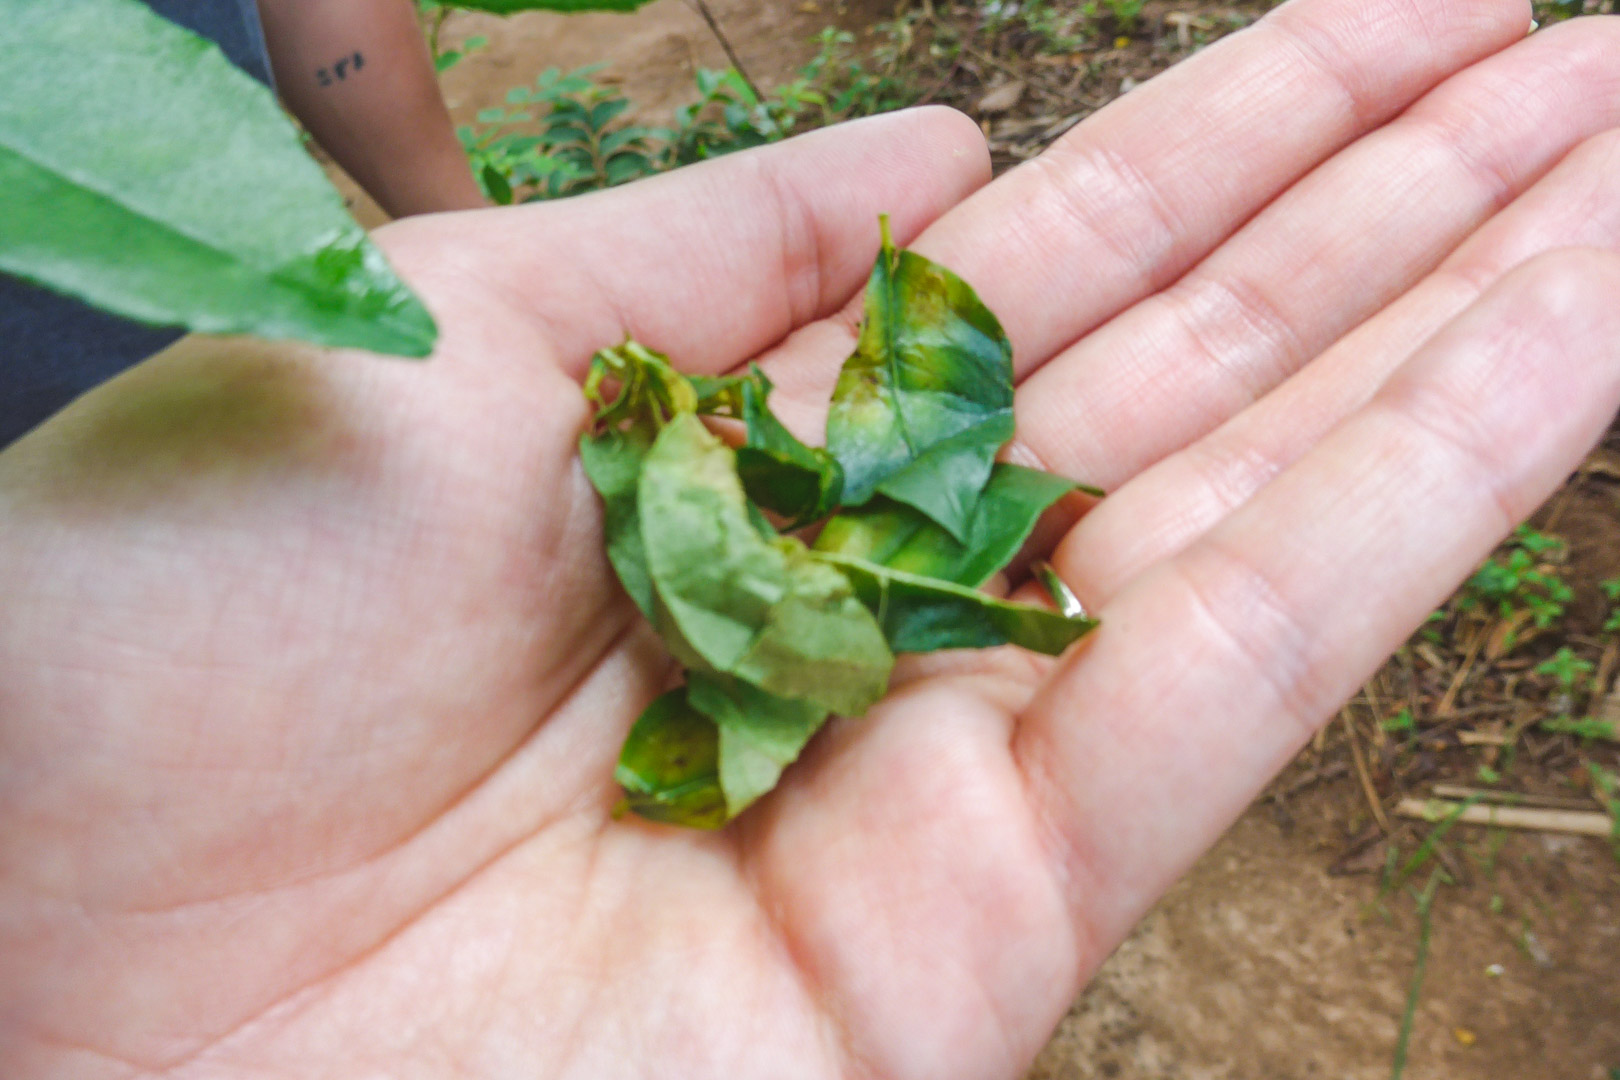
(358, 75)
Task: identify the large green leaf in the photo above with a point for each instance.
(926, 400)
(921, 614)
(508, 7)
(760, 609)
(140, 171)
(670, 765)
(895, 535)
(760, 733)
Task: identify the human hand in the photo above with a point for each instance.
(312, 673)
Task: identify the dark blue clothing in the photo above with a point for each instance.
(53, 348)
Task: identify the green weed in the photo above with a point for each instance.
(1425, 850)
(1061, 27)
(1520, 579)
(569, 138)
(1425, 906)
(569, 133)
(432, 18)
(1586, 727)
(1566, 667)
(1401, 723)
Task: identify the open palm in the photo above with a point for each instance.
(313, 673)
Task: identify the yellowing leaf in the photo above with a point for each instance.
(926, 401)
(762, 610)
(895, 535)
(670, 765)
(922, 614)
(760, 733)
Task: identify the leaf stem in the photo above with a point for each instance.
(702, 8)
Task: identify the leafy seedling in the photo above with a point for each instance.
(775, 635)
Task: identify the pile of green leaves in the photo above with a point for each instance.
(776, 635)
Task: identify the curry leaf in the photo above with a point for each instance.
(670, 765)
(926, 400)
(127, 147)
(922, 614)
(612, 461)
(778, 471)
(649, 392)
(760, 733)
(895, 535)
(760, 609)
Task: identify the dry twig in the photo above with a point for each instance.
(1572, 822)
(1373, 802)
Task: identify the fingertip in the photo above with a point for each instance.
(1564, 295)
(960, 137)
(933, 141)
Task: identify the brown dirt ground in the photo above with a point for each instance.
(1277, 957)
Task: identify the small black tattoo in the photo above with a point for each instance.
(341, 70)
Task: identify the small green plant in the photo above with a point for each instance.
(569, 138)
(1586, 727)
(1611, 589)
(1520, 579)
(1123, 12)
(1566, 667)
(568, 134)
(728, 116)
(1401, 723)
(1061, 27)
(1425, 911)
(432, 17)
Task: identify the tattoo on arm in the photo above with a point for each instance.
(340, 70)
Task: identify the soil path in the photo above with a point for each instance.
(651, 54)
(1259, 964)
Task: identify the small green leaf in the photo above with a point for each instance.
(127, 145)
(613, 450)
(650, 389)
(670, 765)
(926, 401)
(895, 535)
(496, 186)
(762, 610)
(760, 733)
(921, 614)
(778, 471)
(612, 461)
